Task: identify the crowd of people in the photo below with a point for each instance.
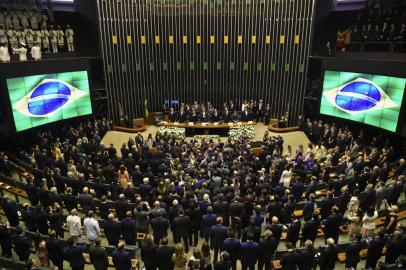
(24, 29)
(216, 198)
(248, 110)
(385, 23)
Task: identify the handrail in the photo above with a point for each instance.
(378, 46)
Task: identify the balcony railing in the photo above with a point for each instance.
(369, 46)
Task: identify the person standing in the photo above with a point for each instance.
(112, 230)
(233, 246)
(55, 249)
(267, 247)
(98, 256)
(22, 245)
(289, 259)
(218, 234)
(92, 227)
(164, 255)
(73, 254)
(129, 229)
(74, 224)
(306, 257)
(148, 253)
(179, 258)
(121, 258)
(181, 228)
(160, 227)
(329, 255)
(249, 253)
(352, 257)
(70, 38)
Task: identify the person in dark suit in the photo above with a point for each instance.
(172, 115)
(22, 245)
(233, 246)
(55, 249)
(10, 209)
(148, 253)
(29, 218)
(289, 259)
(394, 248)
(246, 116)
(220, 207)
(352, 257)
(86, 201)
(224, 263)
(293, 230)
(181, 228)
(121, 206)
(218, 233)
(375, 249)
(297, 189)
(332, 225)
(129, 229)
(267, 247)
(310, 228)
(237, 212)
(253, 229)
(121, 258)
(196, 218)
(308, 208)
(249, 253)
(69, 200)
(306, 257)
(160, 228)
(326, 205)
(208, 220)
(73, 254)
(98, 256)
(112, 230)
(32, 191)
(328, 256)
(164, 255)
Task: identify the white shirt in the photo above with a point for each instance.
(36, 52)
(92, 228)
(285, 178)
(369, 222)
(4, 54)
(74, 225)
(22, 52)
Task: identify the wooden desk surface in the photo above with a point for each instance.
(207, 126)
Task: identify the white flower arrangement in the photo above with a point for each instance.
(175, 132)
(237, 132)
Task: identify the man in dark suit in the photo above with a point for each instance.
(375, 249)
(208, 220)
(293, 230)
(297, 189)
(326, 205)
(55, 249)
(310, 228)
(233, 246)
(10, 209)
(181, 228)
(164, 255)
(69, 200)
(220, 207)
(129, 229)
(121, 258)
(218, 233)
(352, 257)
(22, 245)
(308, 208)
(160, 228)
(121, 206)
(252, 229)
(32, 191)
(148, 253)
(86, 201)
(328, 256)
(112, 230)
(394, 248)
(332, 225)
(73, 254)
(289, 259)
(249, 253)
(306, 257)
(237, 212)
(98, 256)
(267, 247)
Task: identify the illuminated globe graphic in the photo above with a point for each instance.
(358, 96)
(48, 97)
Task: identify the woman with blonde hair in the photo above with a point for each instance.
(179, 258)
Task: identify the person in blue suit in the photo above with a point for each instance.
(129, 229)
(249, 253)
(233, 246)
(73, 254)
(218, 233)
(121, 258)
(208, 220)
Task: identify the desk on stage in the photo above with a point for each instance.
(206, 129)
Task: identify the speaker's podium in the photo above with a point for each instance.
(282, 123)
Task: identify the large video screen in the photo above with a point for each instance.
(46, 98)
(371, 99)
